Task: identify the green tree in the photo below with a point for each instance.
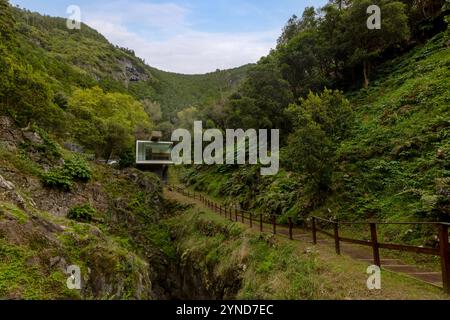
(300, 63)
(363, 45)
(321, 122)
(166, 128)
(186, 118)
(153, 109)
(262, 99)
(296, 25)
(106, 123)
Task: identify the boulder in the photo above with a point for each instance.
(33, 137)
(5, 184)
(10, 135)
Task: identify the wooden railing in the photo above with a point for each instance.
(442, 251)
(236, 215)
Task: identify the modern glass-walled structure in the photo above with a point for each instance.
(153, 152)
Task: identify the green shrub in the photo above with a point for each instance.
(57, 179)
(77, 169)
(81, 213)
(127, 159)
(49, 146)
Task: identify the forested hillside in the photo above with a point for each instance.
(364, 119)
(177, 91)
(68, 60)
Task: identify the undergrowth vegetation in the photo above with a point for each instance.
(75, 169)
(81, 213)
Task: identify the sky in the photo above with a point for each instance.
(191, 36)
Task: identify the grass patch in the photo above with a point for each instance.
(19, 279)
(17, 213)
(19, 161)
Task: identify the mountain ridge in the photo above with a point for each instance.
(89, 54)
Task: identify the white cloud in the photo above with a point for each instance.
(165, 39)
(163, 17)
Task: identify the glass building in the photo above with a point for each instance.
(153, 152)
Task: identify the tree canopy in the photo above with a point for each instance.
(106, 122)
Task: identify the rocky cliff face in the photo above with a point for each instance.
(38, 241)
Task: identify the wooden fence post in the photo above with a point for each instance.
(243, 217)
(290, 229)
(375, 245)
(274, 221)
(445, 259)
(314, 230)
(336, 238)
(261, 227)
(236, 214)
(251, 220)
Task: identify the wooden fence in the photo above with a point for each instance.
(252, 219)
